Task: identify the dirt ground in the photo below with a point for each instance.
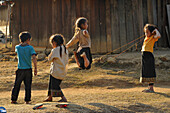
(102, 89)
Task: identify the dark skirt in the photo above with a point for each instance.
(148, 67)
(54, 87)
(81, 60)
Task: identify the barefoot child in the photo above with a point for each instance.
(83, 55)
(58, 69)
(148, 63)
(24, 72)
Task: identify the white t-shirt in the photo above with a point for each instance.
(59, 64)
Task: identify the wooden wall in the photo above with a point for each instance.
(112, 23)
(3, 14)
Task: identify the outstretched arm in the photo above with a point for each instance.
(73, 41)
(34, 59)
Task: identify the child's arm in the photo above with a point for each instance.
(34, 59)
(85, 33)
(53, 55)
(50, 58)
(73, 41)
(156, 33)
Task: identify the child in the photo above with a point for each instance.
(58, 70)
(24, 72)
(148, 63)
(83, 55)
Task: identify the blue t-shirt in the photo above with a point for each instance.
(24, 56)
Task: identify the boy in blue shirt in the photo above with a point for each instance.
(24, 71)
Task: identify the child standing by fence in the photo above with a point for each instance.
(58, 69)
(148, 62)
(83, 55)
(24, 72)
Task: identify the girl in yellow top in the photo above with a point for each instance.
(83, 55)
(148, 62)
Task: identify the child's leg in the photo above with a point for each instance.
(49, 98)
(28, 82)
(57, 92)
(16, 88)
(150, 87)
(86, 61)
(76, 58)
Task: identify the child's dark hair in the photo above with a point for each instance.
(150, 27)
(24, 36)
(59, 39)
(79, 22)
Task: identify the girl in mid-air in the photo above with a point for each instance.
(148, 62)
(59, 60)
(83, 55)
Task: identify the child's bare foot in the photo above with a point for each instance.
(63, 99)
(86, 61)
(49, 99)
(27, 102)
(14, 102)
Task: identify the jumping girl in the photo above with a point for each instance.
(58, 69)
(83, 55)
(148, 63)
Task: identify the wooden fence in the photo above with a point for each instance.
(112, 23)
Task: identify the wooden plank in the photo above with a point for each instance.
(168, 14)
(154, 4)
(108, 26)
(97, 27)
(94, 26)
(42, 34)
(141, 23)
(78, 8)
(102, 20)
(122, 26)
(115, 25)
(160, 19)
(67, 20)
(164, 37)
(167, 32)
(145, 12)
(58, 16)
(49, 23)
(54, 16)
(33, 22)
(73, 17)
(3, 13)
(140, 16)
(136, 26)
(15, 23)
(129, 22)
(85, 4)
(150, 11)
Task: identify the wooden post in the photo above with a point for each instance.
(7, 26)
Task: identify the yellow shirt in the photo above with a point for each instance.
(148, 43)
